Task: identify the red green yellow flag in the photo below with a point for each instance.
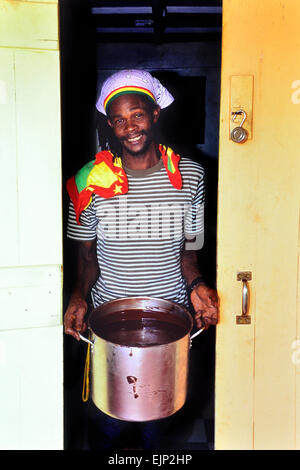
(171, 162)
(105, 176)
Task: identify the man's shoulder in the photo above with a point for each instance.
(188, 165)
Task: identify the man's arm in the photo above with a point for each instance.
(204, 299)
(87, 275)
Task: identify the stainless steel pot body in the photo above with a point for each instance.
(135, 383)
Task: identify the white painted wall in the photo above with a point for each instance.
(31, 349)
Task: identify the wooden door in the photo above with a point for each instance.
(31, 335)
(257, 396)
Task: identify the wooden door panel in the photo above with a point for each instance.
(257, 380)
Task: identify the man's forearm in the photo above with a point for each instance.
(87, 270)
(87, 274)
(189, 265)
(203, 299)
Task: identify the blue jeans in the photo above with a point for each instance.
(107, 433)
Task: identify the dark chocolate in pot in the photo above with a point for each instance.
(138, 328)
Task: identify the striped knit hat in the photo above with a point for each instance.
(133, 81)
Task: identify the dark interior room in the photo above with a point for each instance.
(179, 42)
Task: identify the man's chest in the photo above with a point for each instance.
(147, 211)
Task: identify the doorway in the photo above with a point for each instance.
(180, 43)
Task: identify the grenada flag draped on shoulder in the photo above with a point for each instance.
(106, 177)
(171, 161)
(103, 176)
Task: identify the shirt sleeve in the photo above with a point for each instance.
(87, 230)
(194, 216)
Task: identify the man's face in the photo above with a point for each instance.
(132, 119)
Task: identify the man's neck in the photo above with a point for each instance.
(142, 161)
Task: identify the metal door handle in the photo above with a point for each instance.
(245, 318)
(245, 302)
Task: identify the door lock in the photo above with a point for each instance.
(239, 135)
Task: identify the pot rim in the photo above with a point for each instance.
(120, 299)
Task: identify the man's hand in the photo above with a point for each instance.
(206, 305)
(74, 317)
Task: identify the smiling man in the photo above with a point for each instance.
(138, 216)
(132, 119)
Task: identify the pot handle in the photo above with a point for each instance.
(85, 339)
(195, 335)
(86, 377)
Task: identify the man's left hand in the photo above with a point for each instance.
(206, 305)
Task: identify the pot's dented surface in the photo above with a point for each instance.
(139, 358)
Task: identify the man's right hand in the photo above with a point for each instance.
(74, 317)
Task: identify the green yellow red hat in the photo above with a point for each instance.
(133, 81)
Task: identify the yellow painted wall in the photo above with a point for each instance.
(31, 354)
(258, 365)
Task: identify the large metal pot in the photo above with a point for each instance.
(139, 374)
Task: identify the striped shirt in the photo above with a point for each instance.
(140, 235)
